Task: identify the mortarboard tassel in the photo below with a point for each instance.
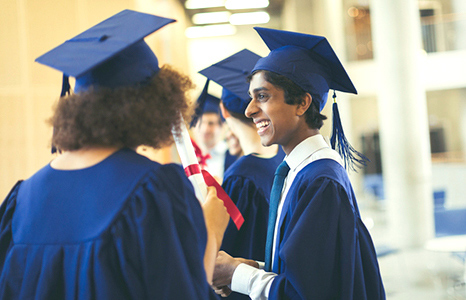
(65, 86)
(200, 107)
(351, 157)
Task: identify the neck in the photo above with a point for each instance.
(82, 158)
(298, 138)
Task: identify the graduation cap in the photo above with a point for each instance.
(231, 73)
(310, 62)
(110, 54)
(206, 103)
(307, 60)
(211, 104)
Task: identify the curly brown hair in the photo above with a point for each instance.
(123, 117)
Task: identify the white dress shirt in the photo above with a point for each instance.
(256, 282)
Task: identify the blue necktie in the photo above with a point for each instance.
(277, 187)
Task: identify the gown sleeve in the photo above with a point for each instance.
(6, 216)
(249, 241)
(322, 255)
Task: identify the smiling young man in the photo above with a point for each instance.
(289, 125)
(249, 180)
(319, 248)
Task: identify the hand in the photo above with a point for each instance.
(225, 266)
(215, 214)
(223, 291)
(250, 262)
(216, 220)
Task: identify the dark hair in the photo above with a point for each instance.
(125, 116)
(241, 117)
(294, 94)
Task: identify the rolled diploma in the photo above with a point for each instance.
(188, 157)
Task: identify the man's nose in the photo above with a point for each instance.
(251, 109)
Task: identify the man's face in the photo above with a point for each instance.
(276, 121)
(209, 130)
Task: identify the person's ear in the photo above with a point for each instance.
(224, 111)
(304, 105)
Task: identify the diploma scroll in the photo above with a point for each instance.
(201, 178)
(190, 164)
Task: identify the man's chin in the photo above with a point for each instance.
(266, 142)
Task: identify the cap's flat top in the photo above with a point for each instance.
(231, 73)
(102, 42)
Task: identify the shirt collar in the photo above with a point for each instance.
(305, 149)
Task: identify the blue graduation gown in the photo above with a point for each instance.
(324, 249)
(126, 228)
(248, 183)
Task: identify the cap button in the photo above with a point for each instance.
(103, 38)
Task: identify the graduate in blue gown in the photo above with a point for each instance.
(319, 247)
(101, 221)
(249, 180)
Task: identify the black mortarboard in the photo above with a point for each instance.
(110, 54)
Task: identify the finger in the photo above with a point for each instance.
(211, 190)
(218, 292)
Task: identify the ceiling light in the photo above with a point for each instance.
(198, 4)
(260, 17)
(212, 17)
(209, 30)
(246, 4)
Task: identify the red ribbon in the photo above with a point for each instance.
(201, 158)
(192, 169)
(232, 210)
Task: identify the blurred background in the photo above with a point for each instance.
(407, 58)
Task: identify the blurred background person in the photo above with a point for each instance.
(234, 146)
(209, 134)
